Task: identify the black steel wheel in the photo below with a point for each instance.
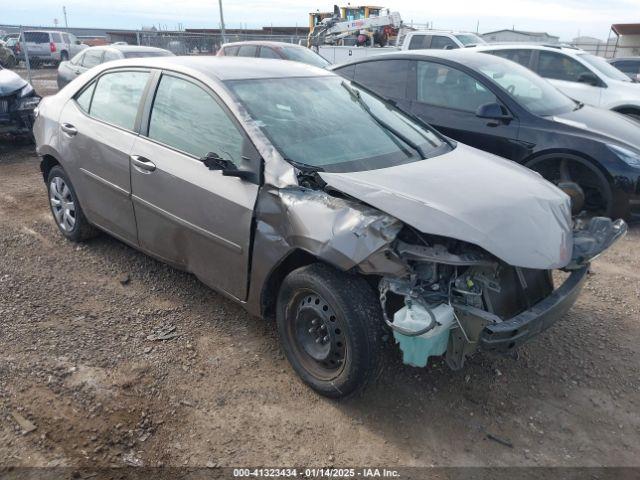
(330, 327)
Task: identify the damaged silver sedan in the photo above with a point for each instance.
(312, 201)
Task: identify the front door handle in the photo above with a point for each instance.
(142, 163)
(69, 129)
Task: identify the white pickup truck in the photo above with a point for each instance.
(413, 40)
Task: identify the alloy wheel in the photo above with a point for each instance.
(62, 204)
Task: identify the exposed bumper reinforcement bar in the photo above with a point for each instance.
(509, 334)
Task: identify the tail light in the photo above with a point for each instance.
(18, 47)
(52, 46)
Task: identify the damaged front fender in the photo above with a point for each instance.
(346, 234)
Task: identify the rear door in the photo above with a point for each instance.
(188, 215)
(448, 98)
(98, 130)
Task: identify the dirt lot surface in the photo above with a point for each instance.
(77, 363)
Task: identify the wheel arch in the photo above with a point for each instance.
(572, 155)
(293, 260)
(46, 164)
(626, 109)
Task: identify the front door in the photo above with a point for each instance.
(563, 72)
(188, 215)
(448, 98)
(97, 134)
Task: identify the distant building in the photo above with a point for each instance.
(519, 36)
(590, 44)
(627, 40)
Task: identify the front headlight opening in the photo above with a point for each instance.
(26, 90)
(629, 157)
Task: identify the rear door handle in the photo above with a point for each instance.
(143, 164)
(69, 129)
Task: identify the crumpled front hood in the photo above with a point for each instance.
(10, 82)
(476, 197)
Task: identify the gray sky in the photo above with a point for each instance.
(564, 18)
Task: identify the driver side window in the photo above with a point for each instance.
(443, 86)
(559, 67)
(189, 119)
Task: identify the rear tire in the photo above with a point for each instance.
(64, 56)
(330, 328)
(66, 209)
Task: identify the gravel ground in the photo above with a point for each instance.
(77, 363)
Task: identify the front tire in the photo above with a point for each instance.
(66, 209)
(330, 328)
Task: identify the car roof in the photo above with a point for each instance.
(459, 55)
(617, 59)
(131, 48)
(264, 43)
(227, 68)
(528, 46)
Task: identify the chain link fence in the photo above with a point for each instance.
(186, 43)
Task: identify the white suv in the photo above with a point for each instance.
(580, 75)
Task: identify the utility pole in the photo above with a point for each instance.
(66, 23)
(222, 22)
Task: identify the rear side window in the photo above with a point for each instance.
(92, 58)
(520, 55)
(117, 96)
(347, 72)
(447, 87)
(56, 38)
(84, 99)
(439, 42)
(387, 78)
(186, 117)
(36, 37)
(77, 60)
(247, 51)
(266, 52)
(419, 42)
(231, 51)
(65, 38)
(110, 55)
(559, 67)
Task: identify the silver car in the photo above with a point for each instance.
(93, 56)
(307, 198)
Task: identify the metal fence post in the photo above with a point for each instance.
(23, 45)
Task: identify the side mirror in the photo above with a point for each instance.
(589, 78)
(78, 42)
(213, 161)
(449, 47)
(493, 111)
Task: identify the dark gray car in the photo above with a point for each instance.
(628, 65)
(305, 198)
(89, 58)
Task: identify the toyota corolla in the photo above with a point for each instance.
(307, 199)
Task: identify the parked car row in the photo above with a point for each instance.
(500, 107)
(342, 205)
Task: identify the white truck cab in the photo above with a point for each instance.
(412, 40)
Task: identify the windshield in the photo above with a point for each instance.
(305, 55)
(323, 122)
(604, 67)
(528, 89)
(470, 39)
